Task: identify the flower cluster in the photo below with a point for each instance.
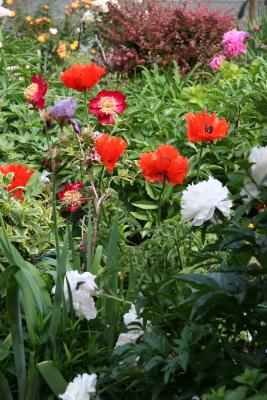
(234, 46)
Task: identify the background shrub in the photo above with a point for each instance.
(148, 33)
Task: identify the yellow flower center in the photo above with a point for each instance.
(251, 226)
(72, 197)
(107, 105)
(30, 91)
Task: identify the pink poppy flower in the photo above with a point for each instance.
(106, 104)
(36, 91)
(71, 196)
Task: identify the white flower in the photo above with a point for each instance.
(200, 201)
(44, 177)
(5, 12)
(53, 31)
(258, 159)
(1, 45)
(131, 317)
(80, 388)
(102, 5)
(83, 303)
(82, 287)
(128, 337)
(88, 17)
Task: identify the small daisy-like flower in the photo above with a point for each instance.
(107, 104)
(36, 91)
(72, 197)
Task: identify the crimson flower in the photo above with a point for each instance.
(21, 176)
(106, 104)
(71, 196)
(36, 91)
(204, 127)
(82, 76)
(110, 149)
(165, 164)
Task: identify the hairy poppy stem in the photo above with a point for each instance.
(159, 201)
(199, 160)
(85, 101)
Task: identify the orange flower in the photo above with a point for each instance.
(110, 149)
(22, 174)
(62, 50)
(205, 127)
(164, 164)
(82, 76)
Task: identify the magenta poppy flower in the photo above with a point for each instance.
(106, 104)
(36, 91)
(71, 196)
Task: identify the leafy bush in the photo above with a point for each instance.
(148, 33)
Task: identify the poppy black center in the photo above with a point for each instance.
(208, 129)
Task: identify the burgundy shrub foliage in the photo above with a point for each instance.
(147, 33)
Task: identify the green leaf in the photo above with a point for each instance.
(145, 205)
(97, 260)
(53, 377)
(5, 347)
(14, 315)
(5, 389)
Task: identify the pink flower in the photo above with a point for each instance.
(233, 42)
(71, 196)
(256, 28)
(216, 61)
(106, 104)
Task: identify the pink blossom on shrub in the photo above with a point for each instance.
(256, 28)
(216, 61)
(234, 43)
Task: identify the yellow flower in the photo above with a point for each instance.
(13, 14)
(46, 7)
(62, 50)
(29, 18)
(9, 2)
(68, 14)
(39, 20)
(251, 226)
(42, 38)
(74, 5)
(93, 51)
(74, 45)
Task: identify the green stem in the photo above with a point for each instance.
(85, 101)
(159, 201)
(54, 205)
(199, 160)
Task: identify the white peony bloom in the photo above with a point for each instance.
(44, 177)
(258, 159)
(131, 317)
(83, 303)
(53, 31)
(88, 17)
(82, 287)
(200, 201)
(5, 12)
(128, 337)
(80, 388)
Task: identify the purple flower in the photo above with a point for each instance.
(233, 42)
(63, 112)
(216, 61)
(64, 108)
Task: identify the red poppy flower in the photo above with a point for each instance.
(21, 176)
(203, 127)
(36, 91)
(82, 76)
(110, 149)
(164, 164)
(106, 104)
(71, 196)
